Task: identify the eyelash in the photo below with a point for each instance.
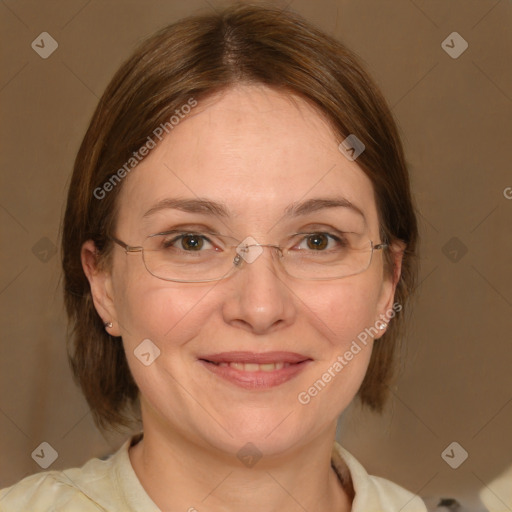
(340, 238)
(169, 243)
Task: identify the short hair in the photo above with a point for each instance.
(198, 57)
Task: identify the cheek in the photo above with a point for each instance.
(160, 311)
(343, 315)
(342, 309)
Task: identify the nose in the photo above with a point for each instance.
(259, 299)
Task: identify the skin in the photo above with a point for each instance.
(256, 151)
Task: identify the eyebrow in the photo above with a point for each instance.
(218, 209)
(313, 205)
(190, 206)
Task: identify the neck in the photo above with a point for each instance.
(180, 475)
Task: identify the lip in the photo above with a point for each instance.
(255, 357)
(256, 380)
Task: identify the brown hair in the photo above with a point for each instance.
(194, 58)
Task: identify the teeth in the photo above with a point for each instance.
(268, 367)
(253, 367)
(249, 367)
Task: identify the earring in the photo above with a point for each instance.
(108, 325)
(382, 326)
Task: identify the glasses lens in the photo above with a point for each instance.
(340, 261)
(188, 257)
(196, 257)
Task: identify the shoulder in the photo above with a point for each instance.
(497, 495)
(46, 491)
(373, 493)
(89, 488)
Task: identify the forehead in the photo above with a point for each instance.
(255, 150)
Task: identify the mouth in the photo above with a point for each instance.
(253, 367)
(251, 370)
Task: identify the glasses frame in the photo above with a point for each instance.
(237, 261)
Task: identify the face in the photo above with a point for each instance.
(254, 153)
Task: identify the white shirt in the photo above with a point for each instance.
(497, 495)
(112, 485)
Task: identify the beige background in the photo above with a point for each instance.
(456, 119)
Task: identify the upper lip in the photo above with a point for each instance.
(256, 358)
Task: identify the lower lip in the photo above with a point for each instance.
(256, 380)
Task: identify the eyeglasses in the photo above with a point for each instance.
(196, 257)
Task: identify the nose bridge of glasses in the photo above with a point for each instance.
(271, 246)
(250, 250)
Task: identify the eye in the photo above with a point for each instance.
(190, 242)
(320, 242)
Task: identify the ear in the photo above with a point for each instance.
(100, 281)
(389, 283)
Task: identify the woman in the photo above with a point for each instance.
(239, 244)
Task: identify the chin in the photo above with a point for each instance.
(271, 432)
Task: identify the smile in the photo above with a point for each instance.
(255, 371)
(254, 367)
